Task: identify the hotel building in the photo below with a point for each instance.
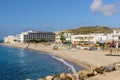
(35, 35)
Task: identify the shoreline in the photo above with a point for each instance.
(83, 58)
(74, 68)
(88, 60)
(78, 63)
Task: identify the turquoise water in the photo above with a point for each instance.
(21, 64)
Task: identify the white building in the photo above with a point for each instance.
(115, 36)
(9, 39)
(65, 34)
(90, 38)
(20, 37)
(79, 39)
(35, 35)
(68, 36)
(57, 36)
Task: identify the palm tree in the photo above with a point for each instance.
(62, 37)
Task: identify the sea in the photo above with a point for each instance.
(23, 64)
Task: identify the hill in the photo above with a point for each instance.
(90, 29)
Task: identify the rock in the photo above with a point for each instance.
(41, 79)
(117, 66)
(56, 78)
(28, 79)
(72, 76)
(103, 68)
(95, 73)
(90, 74)
(77, 75)
(68, 78)
(98, 70)
(86, 73)
(109, 68)
(49, 78)
(63, 76)
(83, 74)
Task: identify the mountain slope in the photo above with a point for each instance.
(90, 29)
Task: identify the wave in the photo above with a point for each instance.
(67, 64)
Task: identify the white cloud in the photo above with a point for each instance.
(95, 6)
(105, 9)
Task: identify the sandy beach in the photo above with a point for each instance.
(84, 58)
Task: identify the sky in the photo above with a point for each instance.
(17, 16)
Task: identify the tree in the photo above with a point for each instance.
(98, 44)
(15, 40)
(33, 41)
(43, 40)
(62, 37)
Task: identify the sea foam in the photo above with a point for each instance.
(67, 64)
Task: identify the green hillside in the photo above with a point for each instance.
(90, 29)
